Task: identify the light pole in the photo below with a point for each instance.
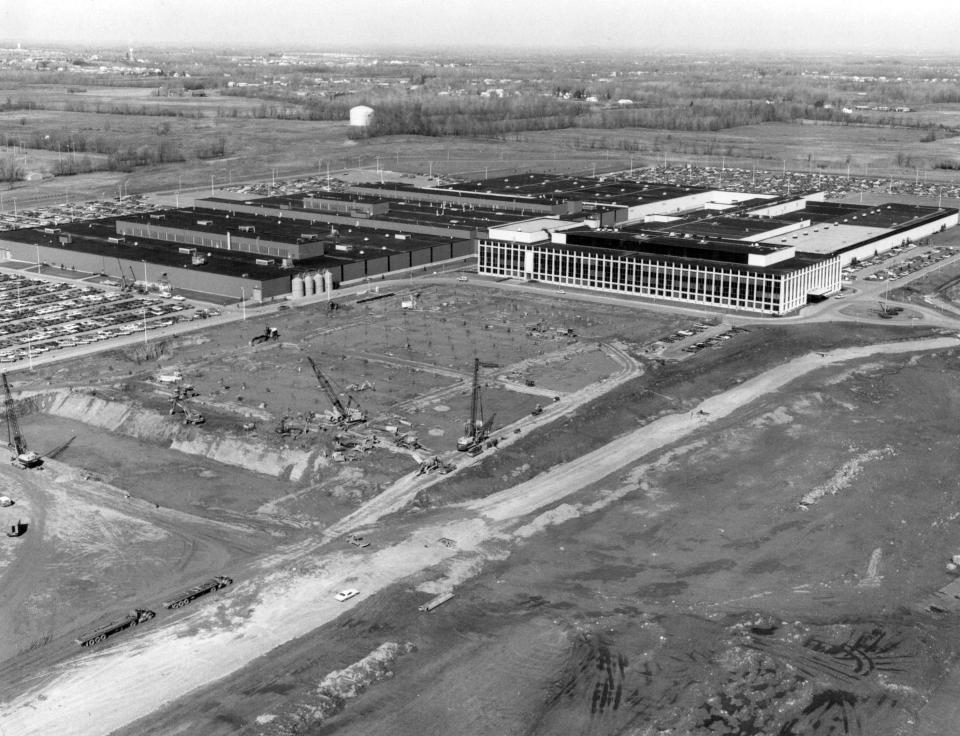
(144, 272)
(243, 303)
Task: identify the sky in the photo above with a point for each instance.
(922, 26)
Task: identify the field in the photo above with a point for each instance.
(263, 148)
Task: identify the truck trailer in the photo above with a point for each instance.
(97, 635)
(184, 597)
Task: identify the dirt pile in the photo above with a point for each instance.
(333, 692)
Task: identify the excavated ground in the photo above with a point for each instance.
(755, 578)
(705, 601)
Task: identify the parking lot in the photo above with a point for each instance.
(898, 268)
(58, 214)
(38, 316)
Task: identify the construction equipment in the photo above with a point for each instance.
(17, 529)
(340, 415)
(124, 284)
(178, 405)
(888, 312)
(477, 430)
(24, 457)
(133, 279)
(407, 440)
(184, 597)
(435, 463)
(286, 428)
(95, 636)
(269, 334)
(190, 416)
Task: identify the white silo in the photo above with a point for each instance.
(318, 282)
(328, 282)
(297, 287)
(361, 115)
(309, 287)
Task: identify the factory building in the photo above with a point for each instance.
(749, 277)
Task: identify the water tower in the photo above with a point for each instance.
(360, 116)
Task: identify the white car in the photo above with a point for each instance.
(345, 595)
(6, 501)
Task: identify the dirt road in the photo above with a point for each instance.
(292, 593)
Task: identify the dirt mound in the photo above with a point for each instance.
(333, 692)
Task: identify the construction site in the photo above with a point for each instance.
(457, 503)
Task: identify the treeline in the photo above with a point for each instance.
(102, 108)
(166, 149)
(10, 169)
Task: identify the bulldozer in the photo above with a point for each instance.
(269, 334)
(435, 463)
(286, 428)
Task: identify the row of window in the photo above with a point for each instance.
(700, 284)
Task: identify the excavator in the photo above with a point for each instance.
(477, 430)
(178, 405)
(24, 457)
(340, 415)
(269, 334)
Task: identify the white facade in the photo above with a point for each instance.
(708, 284)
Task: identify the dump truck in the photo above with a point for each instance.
(184, 597)
(132, 618)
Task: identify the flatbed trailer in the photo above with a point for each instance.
(132, 618)
(185, 596)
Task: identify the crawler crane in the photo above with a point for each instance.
(24, 457)
(477, 430)
(340, 415)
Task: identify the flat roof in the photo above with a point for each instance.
(734, 228)
(682, 250)
(606, 190)
(538, 224)
(467, 193)
(729, 251)
(268, 227)
(827, 238)
(434, 214)
(91, 237)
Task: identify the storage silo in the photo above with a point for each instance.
(309, 287)
(318, 282)
(297, 287)
(361, 115)
(328, 282)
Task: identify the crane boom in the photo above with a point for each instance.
(24, 457)
(477, 429)
(328, 390)
(14, 437)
